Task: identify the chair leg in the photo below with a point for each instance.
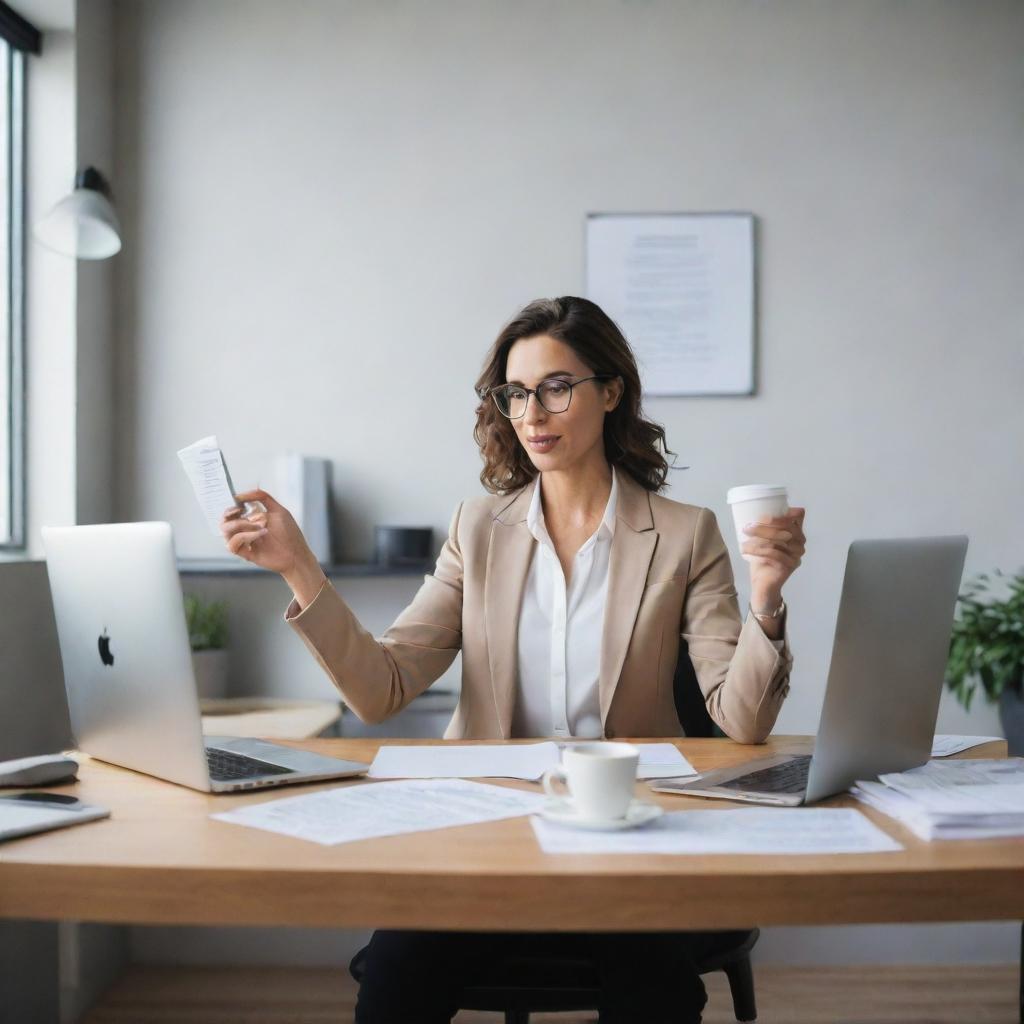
(741, 985)
(517, 1017)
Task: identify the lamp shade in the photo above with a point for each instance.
(83, 224)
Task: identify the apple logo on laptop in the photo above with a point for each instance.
(104, 644)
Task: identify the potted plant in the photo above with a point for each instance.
(207, 623)
(987, 646)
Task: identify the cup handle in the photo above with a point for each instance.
(550, 777)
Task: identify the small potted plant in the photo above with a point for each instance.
(987, 646)
(207, 623)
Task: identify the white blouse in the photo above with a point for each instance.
(559, 639)
(560, 632)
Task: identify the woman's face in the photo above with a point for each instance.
(557, 441)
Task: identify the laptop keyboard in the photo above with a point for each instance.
(226, 765)
(788, 777)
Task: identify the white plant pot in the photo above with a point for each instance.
(211, 672)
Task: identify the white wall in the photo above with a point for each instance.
(335, 207)
(94, 143)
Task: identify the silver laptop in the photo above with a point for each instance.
(128, 666)
(888, 665)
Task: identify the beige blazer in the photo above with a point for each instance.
(669, 576)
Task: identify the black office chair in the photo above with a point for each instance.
(689, 699)
(520, 985)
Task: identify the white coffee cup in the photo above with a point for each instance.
(600, 778)
(752, 502)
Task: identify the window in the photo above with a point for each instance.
(17, 39)
(12, 65)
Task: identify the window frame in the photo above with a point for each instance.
(14, 400)
(22, 39)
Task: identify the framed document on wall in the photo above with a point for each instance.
(681, 286)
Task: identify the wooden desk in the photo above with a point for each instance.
(161, 859)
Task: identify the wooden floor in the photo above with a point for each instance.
(848, 995)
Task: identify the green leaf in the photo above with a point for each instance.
(987, 640)
(207, 623)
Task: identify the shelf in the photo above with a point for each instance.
(238, 567)
(268, 717)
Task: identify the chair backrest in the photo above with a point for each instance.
(689, 699)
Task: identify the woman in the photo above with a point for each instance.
(567, 590)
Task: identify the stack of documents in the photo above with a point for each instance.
(964, 799)
(527, 761)
(301, 484)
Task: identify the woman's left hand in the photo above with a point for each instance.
(777, 544)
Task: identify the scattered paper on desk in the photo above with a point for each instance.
(349, 813)
(763, 830)
(527, 761)
(464, 761)
(662, 761)
(944, 745)
(208, 473)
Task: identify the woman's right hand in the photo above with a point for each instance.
(272, 540)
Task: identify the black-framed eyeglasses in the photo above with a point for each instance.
(554, 395)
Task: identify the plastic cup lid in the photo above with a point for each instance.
(748, 492)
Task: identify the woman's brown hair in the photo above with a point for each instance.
(631, 442)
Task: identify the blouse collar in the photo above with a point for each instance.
(535, 514)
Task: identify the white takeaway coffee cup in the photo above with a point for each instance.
(752, 502)
(600, 777)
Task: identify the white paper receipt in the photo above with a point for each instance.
(366, 811)
(208, 473)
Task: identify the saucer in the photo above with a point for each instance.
(561, 812)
